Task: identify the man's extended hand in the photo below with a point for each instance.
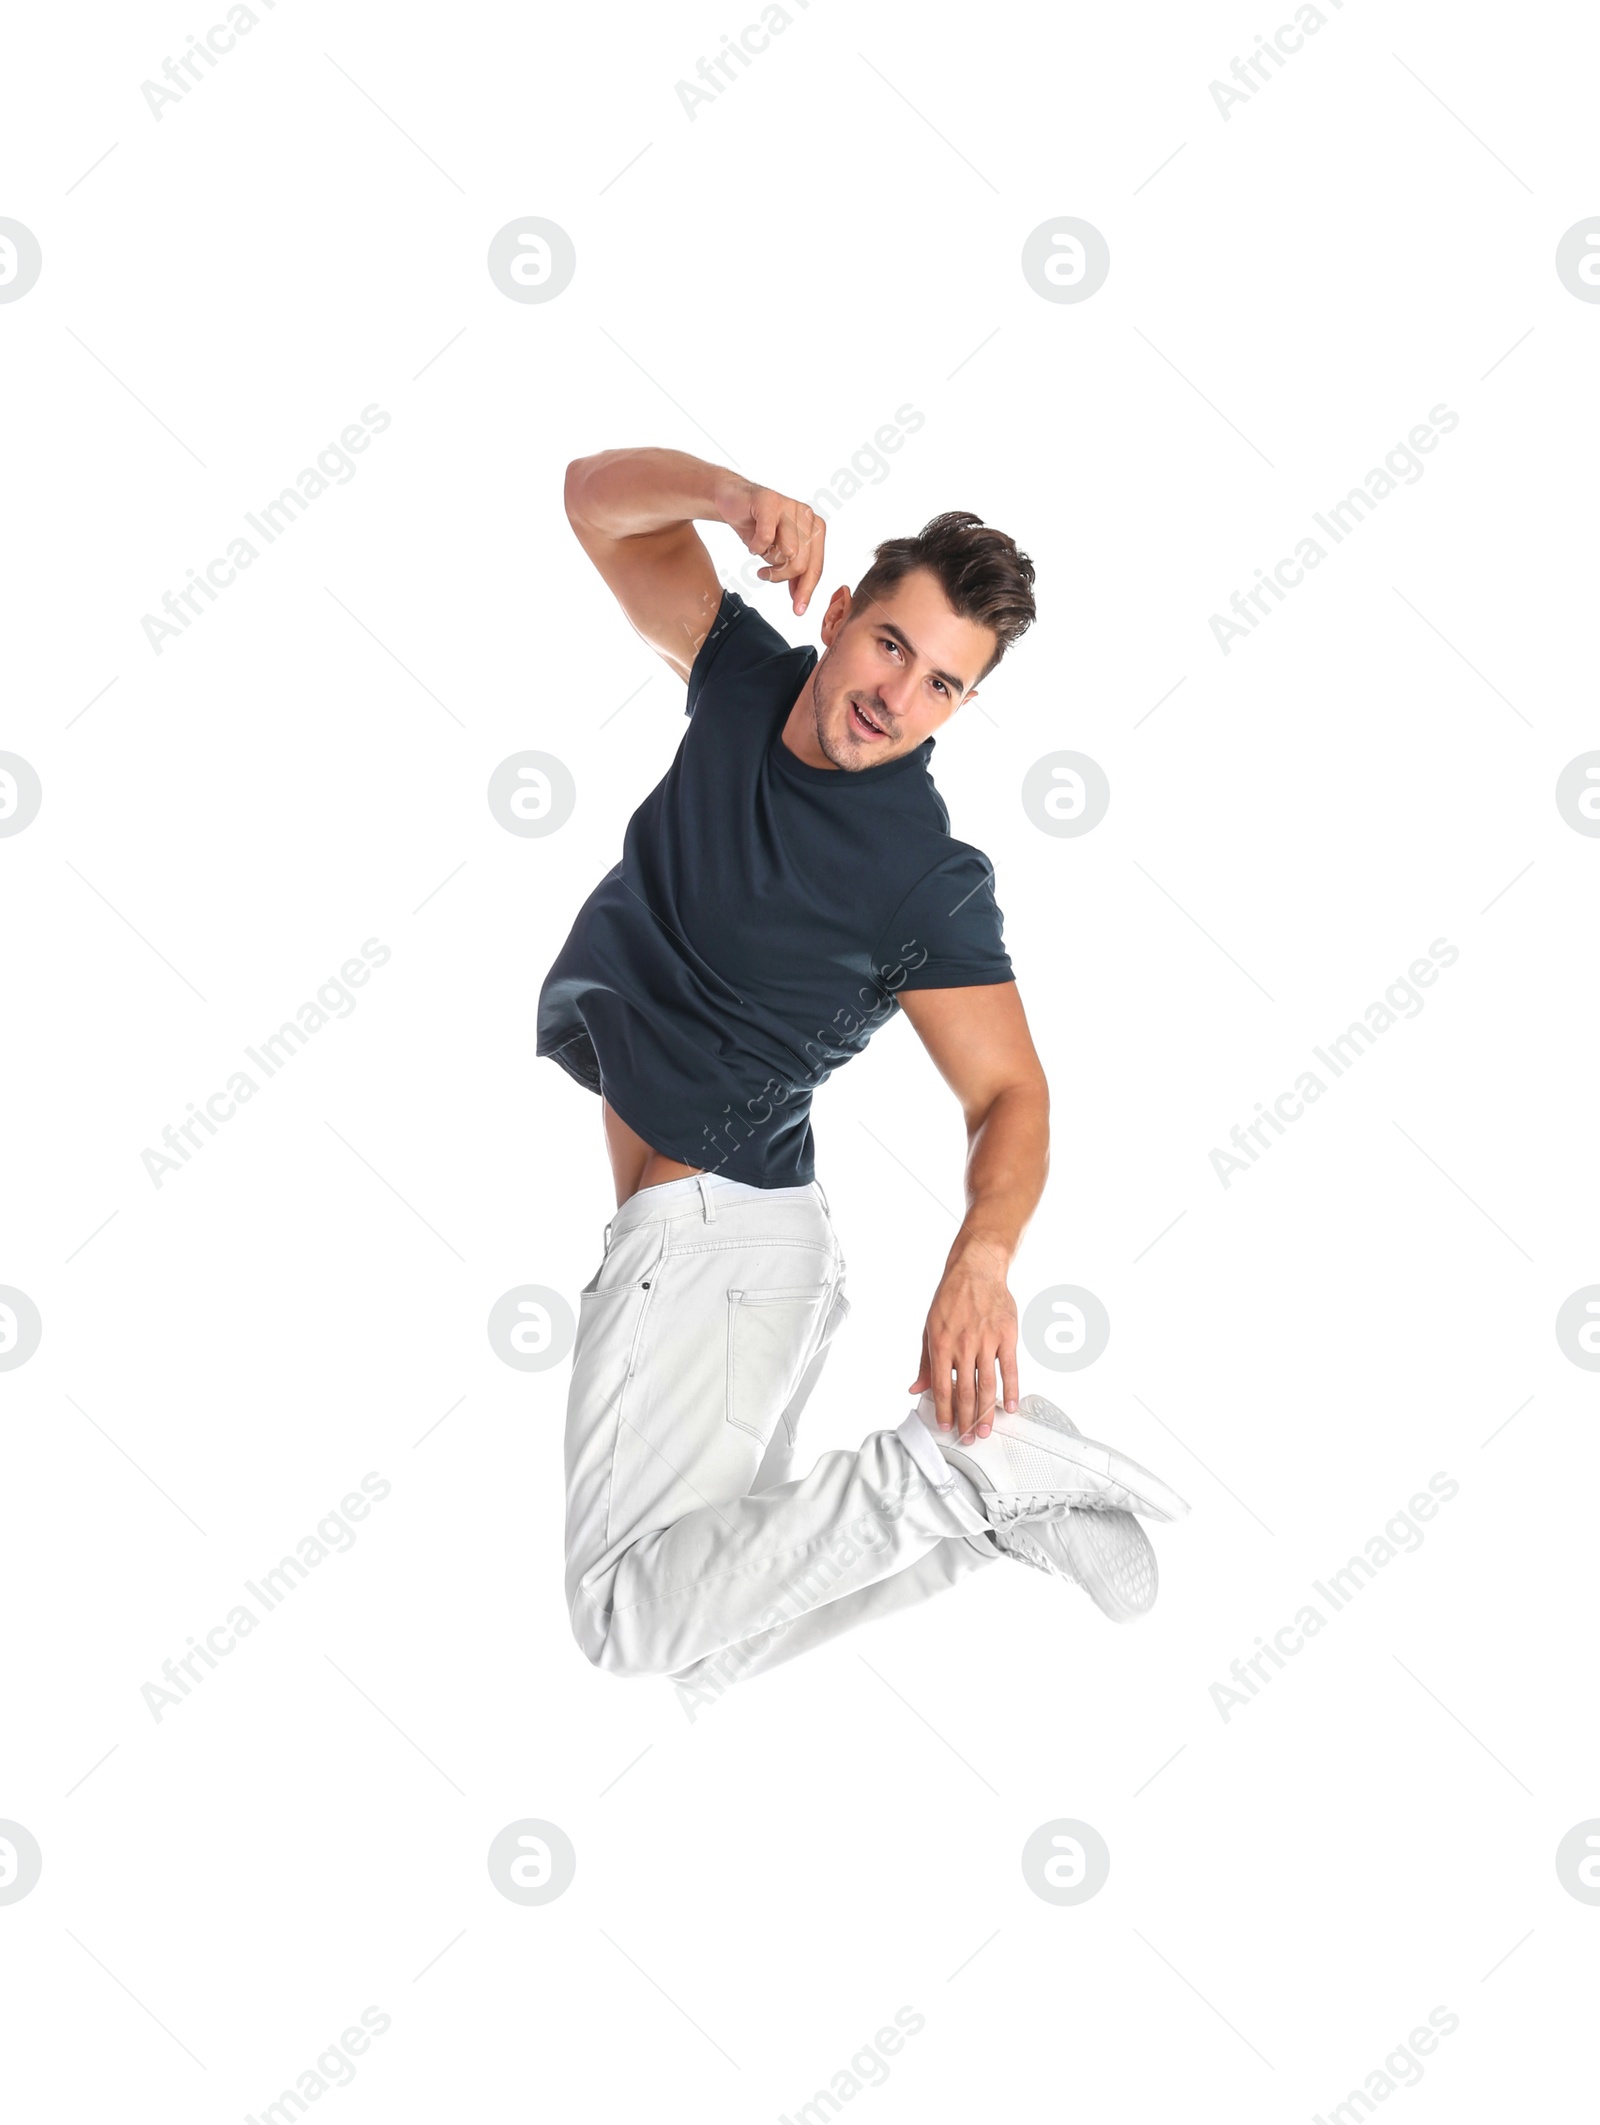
(971, 1329)
(786, 534)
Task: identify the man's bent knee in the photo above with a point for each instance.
(613, 1652)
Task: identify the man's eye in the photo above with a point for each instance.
(887, 642)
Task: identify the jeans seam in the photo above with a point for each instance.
(634, 1351)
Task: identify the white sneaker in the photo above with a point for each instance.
(1036, 1464)
(1108, 1554)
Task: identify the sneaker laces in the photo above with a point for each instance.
(1007, 1508)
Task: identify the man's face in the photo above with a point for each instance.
(892, 673)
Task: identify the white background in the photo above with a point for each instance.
(1292, 1888)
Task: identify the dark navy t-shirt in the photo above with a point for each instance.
(763, 918)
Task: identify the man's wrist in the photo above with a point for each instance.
(981, 1245)
(730, 496)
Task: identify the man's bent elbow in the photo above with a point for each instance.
(573, 486)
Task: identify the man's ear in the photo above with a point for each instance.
(837, 613)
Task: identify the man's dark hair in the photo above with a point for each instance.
(985, 576)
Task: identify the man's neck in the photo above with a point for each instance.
(799, 733)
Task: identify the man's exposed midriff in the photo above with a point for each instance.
(634, 1163)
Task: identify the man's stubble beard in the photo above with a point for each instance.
(856, 756)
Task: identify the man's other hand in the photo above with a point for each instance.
(971, 1333)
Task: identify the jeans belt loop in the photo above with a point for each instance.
(705, 1198)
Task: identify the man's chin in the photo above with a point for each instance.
(852, 754)
(852, 750)
(841, 746)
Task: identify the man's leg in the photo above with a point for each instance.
(932, 1573)
(941, 1567)
(711, 1309)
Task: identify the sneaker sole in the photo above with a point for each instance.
(1108, 1555)
(1114, 1563)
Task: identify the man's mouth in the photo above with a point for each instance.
(863, 724)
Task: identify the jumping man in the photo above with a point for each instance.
(789, 885)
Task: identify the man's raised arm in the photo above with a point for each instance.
(634, 513)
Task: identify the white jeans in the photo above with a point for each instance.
(690, 1551)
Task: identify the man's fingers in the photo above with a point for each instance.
(780, 553)
(790, 546)
(924, 1380)
(938, 1371)
(1008, 1371)
(789, 533)
(965, 1401)
(970, 1383)
(789, 538)
(772, 533)
(983, 1412)
(777, 551)
(986, 1384)
(764, 520)
(811, 572)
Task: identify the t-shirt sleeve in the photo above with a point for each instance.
(739, 638)
(948, 932)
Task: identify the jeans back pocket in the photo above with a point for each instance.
(770, 1335)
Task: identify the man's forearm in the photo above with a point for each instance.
(1008, 1157)
(624, 493)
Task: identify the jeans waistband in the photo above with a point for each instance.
(700, 1195)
